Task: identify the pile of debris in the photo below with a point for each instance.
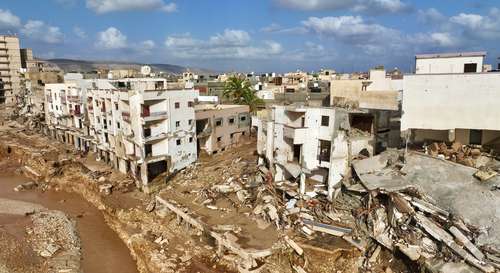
(468, 155)
(401, 217)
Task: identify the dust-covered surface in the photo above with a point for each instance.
(35, 239)
(235, 202)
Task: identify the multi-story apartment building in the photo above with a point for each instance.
(158, 126)
(10, 65)
(143, 127)
(309, 145)
(451, 99)
(221, 126)
(64, 111)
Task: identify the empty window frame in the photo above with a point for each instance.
(325, 121)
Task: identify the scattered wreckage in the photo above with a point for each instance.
(387, 205)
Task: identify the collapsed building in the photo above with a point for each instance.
(309, 144)
(469, 118)
(379, 96)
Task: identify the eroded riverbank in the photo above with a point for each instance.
(102, 249)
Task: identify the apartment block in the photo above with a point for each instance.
(310, 146)
(219, 127)
(142, 126)
(10, 65)
(452, 101)
(159, 132)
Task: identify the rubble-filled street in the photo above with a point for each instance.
(396, 214)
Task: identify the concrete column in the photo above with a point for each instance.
(144, 174)
(279, 173)
(302, 183)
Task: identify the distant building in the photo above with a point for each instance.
(449, 63)
(451, 99)
(10, 66)
(219, 127)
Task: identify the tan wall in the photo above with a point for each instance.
(351, 90)
(211, 144)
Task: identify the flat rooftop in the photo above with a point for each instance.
(208, 107)
(451, 55)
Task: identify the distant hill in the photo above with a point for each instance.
(68, 65)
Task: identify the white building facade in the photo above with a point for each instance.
(142, 127)
(306, 144)
(451, 106)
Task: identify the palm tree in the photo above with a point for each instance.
(239, 90)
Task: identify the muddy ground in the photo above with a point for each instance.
(162, 244)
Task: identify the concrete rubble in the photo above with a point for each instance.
(395, 212)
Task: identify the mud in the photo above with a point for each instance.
(102, 249)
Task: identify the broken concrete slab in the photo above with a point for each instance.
(485, 175)
(374, 163)
(329, 229)
(457, 191)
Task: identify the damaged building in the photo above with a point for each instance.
(144, 127)
(219, 127)
(450, 98)
(309, 145)
(377, 95)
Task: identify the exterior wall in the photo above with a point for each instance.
(381, 92)
(451, 101)
(228, 133)
(446, 65)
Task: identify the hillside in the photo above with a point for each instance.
(69, 65)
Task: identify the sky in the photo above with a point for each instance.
(255, 35)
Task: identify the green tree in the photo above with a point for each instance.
(239, 90)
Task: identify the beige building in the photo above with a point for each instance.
(10, 65)
(221, 126)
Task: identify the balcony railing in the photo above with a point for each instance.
(151, 116)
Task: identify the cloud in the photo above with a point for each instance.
(479, 27)
(430, 16)
(111, 38)
(365, 6)
(230, 37)
(349, 29)
(106, 6)
(40, 31)
(231, 44)
(273, 27)
(435, 39)
(80, 33)
(145, 47)
(8, 20)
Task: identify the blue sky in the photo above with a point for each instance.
(254, 35)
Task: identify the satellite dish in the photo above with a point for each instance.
(145, 70)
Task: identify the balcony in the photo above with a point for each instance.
(149, 139)
(297, 134)
(73, 98)
(126, 116)
(154, 116)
